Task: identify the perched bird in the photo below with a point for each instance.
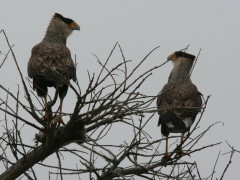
(179, 101)
(50, 64)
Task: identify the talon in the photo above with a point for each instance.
(166, 158)
(45, 117)
(58, 120)
(180, 153)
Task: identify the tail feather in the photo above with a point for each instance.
(159, 121)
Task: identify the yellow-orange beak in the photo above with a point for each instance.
(172, 57)
(74, 26)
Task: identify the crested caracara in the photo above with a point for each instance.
(50, 64)
(179, 101)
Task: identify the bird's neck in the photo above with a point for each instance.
(181, 72)
(55, 33)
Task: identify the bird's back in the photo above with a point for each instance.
(178, 106)
(53, 62)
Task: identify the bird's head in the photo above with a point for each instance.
(64, 25)
(180, 55)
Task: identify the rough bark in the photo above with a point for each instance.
(55, 139)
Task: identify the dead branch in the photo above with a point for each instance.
(113, 96)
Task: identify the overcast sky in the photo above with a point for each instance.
(139, 26)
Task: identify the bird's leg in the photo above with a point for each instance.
(60, 112)
(59, 119)
(166, 155)
(46, 116)
(181, 141)
(166, 149)
(180, 151)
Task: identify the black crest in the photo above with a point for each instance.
(66, 20)
(184, 54)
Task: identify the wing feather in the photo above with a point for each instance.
(52, 61)
(184, 101)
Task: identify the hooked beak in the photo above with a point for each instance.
(77, 27)
(172, 57)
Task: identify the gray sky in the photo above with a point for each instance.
(139, 26)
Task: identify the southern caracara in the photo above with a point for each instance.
(179, 101)
(50, 64)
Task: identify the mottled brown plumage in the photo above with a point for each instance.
(179, 101)
(50, 64)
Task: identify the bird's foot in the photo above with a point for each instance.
(45, 117)
(180, 153)
(166, 158)
(58, 120)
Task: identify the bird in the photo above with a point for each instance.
(50, 64)
(179, 101)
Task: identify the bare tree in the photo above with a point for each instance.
(113, 96)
